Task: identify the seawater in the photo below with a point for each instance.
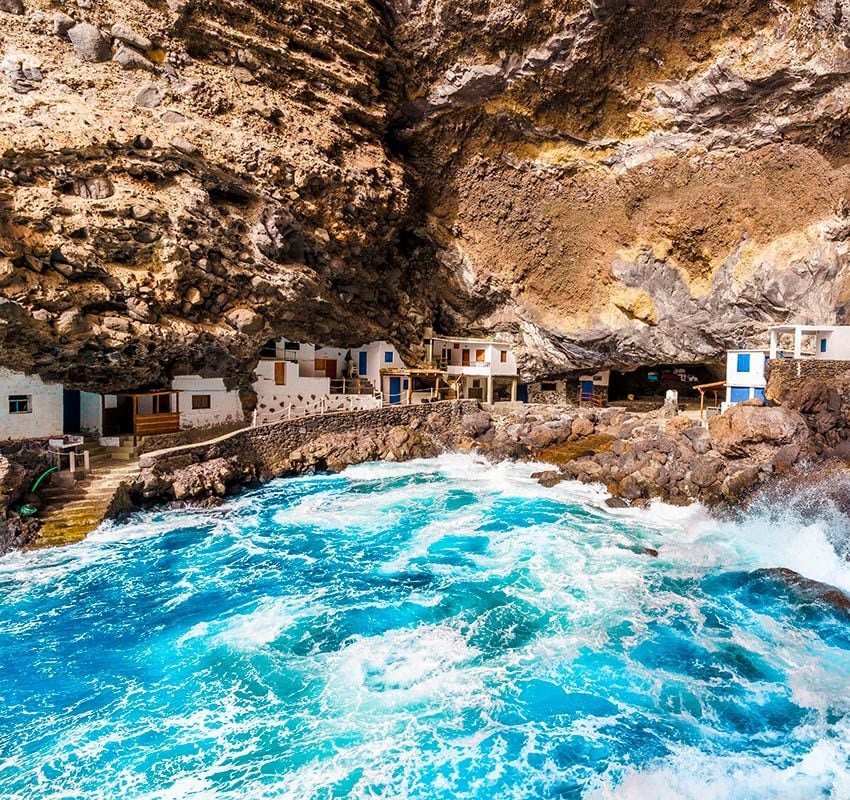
(438, 629)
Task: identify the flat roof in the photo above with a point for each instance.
(807, 328)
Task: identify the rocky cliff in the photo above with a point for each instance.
(610, 182)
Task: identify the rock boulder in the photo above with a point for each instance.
(744, 430)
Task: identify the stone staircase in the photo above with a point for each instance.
(73, 510)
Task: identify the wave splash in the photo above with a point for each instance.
(436, 629)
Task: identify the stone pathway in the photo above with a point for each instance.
(72, 513)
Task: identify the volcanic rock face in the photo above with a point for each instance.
(612, 182)
(173, 218)
(632, 181)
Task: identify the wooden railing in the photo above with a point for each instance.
(351, 386)
(591, 399)
(154, 424)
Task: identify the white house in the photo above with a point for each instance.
(810, 341)
(481, 369)
(206, 402)
(29, 407)
(745, 375)
(298, 378)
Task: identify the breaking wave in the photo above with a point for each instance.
(443, 628)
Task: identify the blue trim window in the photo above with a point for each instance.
(759, 393)
(388, 357)
(739, 394)
(823, 345)
(743, 362)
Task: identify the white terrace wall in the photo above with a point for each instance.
(225, 405)
(306, 395)
(45, 417)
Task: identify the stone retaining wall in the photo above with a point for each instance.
(270, 446)
(786, 375)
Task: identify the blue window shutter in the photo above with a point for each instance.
(758, 392)
(388, 357)
(743, 362)
(823, 345)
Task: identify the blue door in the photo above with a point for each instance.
(522, 393)
(362, 364)
(395, 391)
(586, 390)
(739, 394)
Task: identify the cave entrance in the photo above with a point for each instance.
(645, 388)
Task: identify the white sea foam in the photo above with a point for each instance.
(424, 708)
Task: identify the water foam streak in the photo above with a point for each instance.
(437, 629)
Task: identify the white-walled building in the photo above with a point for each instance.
(810, 341)
(481, 369)
(298, 378)
(206, 402)
(29, 407)
(745, 375)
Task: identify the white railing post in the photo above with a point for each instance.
(289, 411)
(86, 462)
(72, 461)
(254, 417)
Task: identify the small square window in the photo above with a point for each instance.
(823, 345)
(20, 404)
(201, 401)
(503, 356)
(743, 362)
(388, 357)
(548, 387)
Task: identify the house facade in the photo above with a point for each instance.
(746, 377)
(590, 389)
(206, 402)
(29, 407)
(297, 378)
(829, 342)
(476, 369)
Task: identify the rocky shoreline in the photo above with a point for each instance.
(661, 455)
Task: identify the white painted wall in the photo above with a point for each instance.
(490, 364)
(45, 418)
(307, 395)
(752, 380)
(225, 406)
(376, 360)
(837, 344)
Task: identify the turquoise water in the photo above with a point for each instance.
(437, 629)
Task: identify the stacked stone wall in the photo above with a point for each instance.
(270, 446)
(786, 375)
